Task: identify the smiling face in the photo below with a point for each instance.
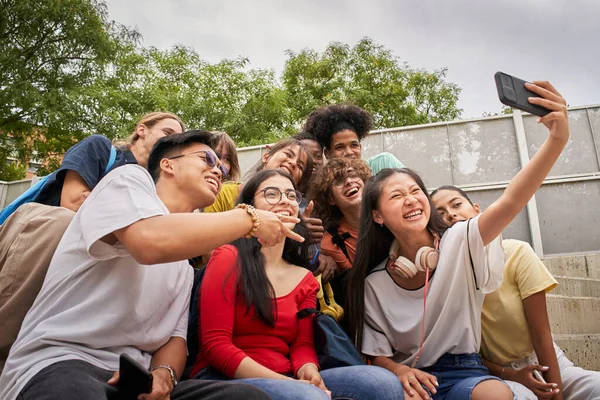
(453, 207)
(316, 151)
(403, 206)
(291, 159)
(346, 192)
(149, 136)
(194, 176)
(344, 144)
(285, 205)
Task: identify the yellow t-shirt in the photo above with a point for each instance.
(504, 332)
(226, 198)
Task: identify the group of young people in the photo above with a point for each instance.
(104, 269)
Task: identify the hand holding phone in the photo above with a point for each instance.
(512, 92)
(134, 379)
(538, 375)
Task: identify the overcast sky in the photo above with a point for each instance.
(557, 40)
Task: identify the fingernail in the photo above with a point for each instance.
(545, 368)
(436, 384)
(433, 391)
(554, 385)
(411, 393)
(538, 120)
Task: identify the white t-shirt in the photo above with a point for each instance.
(97, 301)
(453, 317)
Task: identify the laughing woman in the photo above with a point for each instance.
(337, 192)
(250, 295)
(433, 348)
(289, 155)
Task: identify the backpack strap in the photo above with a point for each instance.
(339, 240)
(111, 159)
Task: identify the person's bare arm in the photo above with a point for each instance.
(536, 314)
(176, 237)
(524, 185)
(74, 191)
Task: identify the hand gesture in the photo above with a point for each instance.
(314, 225)
(272, 229)
(540, 389)
(327, 267)
(309, 372)
(414, 379)
(557, 120)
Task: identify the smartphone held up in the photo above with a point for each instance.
(513, 93)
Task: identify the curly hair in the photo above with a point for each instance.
(320, 187)
(326, 121)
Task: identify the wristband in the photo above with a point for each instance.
(171, 372)
(254, 216)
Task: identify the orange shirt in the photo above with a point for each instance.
(332, 250)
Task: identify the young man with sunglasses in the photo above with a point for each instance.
(119, 281)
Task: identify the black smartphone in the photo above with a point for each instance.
(513, 93)
(134, 379)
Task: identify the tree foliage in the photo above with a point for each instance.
(67, 71)
(370, 76)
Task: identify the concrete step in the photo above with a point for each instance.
(574, 266)
(578, 287)
(583, 350)
(574, 315)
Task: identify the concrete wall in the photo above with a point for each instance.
(9, 191)
(482, 155)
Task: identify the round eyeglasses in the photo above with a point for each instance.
(340, 181)
(273, 195)
(209, 158)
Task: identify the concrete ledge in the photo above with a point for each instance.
(574, 315)
(574, 266)
(578, 287)
(583, 350)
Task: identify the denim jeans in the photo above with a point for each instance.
(358, 383)
(457, 375)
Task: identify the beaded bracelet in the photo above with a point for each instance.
(255, 218)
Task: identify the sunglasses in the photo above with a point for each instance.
(209, 158)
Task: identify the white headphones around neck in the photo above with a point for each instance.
(427, 259)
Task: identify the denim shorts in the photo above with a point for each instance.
(457, 375)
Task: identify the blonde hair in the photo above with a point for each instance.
(219, 137)
(148, 120)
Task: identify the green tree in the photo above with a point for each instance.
(228, 95)
(370, 76)
(48, 51)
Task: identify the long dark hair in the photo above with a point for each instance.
(374, 243)
(458, 190)
(253, 282)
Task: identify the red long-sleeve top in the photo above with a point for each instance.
(229, 333)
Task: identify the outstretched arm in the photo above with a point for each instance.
(175, 237)
(524, 185)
